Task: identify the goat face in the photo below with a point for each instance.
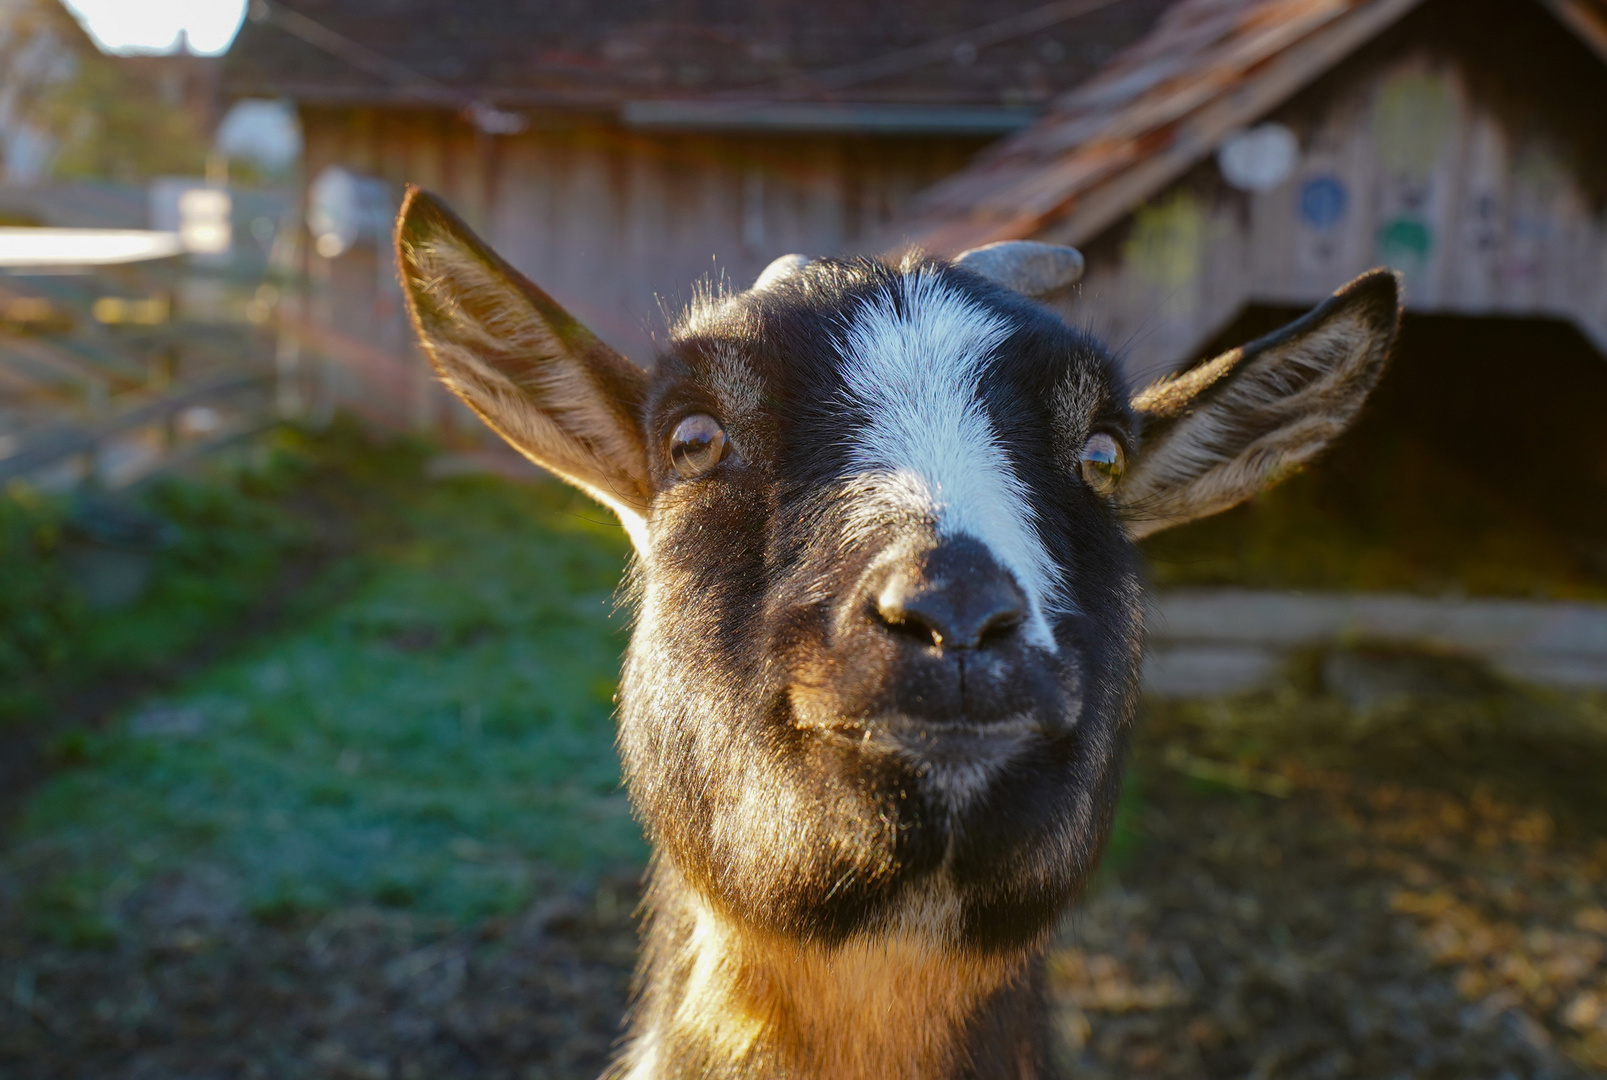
(890, 623)
(886, 643)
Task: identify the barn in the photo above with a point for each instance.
(1261, 151)
(619, 150)
(1220, 162)
(1223, 165)
(1246, 157)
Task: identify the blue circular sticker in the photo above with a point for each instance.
(1323, 200)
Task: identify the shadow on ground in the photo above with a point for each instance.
(1311, 890)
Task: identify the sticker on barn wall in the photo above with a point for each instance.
(1323, 201)
(1405, 243)
(1412, 121)
(1539, 183)
(1259, 159)
(1167, 244)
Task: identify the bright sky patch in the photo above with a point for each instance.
(153, 26)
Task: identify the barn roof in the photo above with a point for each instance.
(690, 63)
(1206, 69)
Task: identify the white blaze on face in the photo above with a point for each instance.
(914, 363)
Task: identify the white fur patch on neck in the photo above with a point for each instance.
(913, 359)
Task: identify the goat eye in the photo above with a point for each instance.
(1102, 463)
(697, 445)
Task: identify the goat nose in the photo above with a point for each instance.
(955, 596)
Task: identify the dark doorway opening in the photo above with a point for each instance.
(1479, 467)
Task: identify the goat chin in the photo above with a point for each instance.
(955, 761)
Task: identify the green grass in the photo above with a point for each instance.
(223, 536)
(440, 740)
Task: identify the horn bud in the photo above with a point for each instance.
(1025, 266)
(779, 270)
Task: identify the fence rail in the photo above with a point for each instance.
(62, 443)
(1212, 641)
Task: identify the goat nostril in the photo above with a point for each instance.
(1000, 626)
(940, 616)
(902, 620)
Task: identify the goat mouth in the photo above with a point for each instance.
(930, 743)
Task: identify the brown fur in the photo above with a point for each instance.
(501, 344)
(863, 842)
(1290, 395)
(725, 999)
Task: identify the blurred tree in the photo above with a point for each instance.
(129, 119)
(40, 48)
(69, 111)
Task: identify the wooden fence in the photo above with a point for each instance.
(181, 425)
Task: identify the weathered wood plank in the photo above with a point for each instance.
(1480, 235)
(1400, 168)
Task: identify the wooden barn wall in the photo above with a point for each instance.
(616, 225)
(1483, 212)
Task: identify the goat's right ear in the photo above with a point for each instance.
(538, 377)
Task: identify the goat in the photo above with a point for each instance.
(888, 617)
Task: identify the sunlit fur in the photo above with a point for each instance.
(863, 834)
(541, 380)
(733, 1000)
(763, 729)
(1290, 395)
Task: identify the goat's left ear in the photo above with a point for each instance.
(530, 370)
(1220, 432)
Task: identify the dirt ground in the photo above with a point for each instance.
(1267, 913)
(1352, 929)
(363, 994)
